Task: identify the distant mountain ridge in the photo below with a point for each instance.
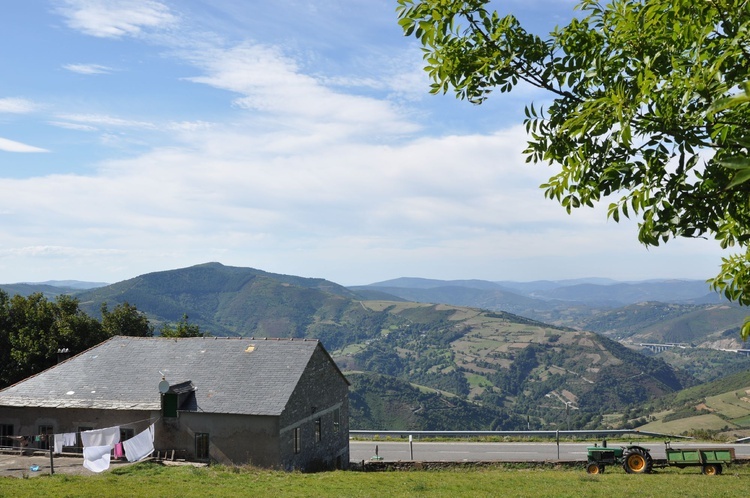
(486, 367)
(71, 284)
(621, 310)
(224, 300)
(588, 291)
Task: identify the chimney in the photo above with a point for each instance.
(62, 355)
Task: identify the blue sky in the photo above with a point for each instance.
(292, 136)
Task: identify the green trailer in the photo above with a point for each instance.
(710, 460)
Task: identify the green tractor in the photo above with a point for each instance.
(634, 459)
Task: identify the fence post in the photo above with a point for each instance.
(51, 442)
(411, 448)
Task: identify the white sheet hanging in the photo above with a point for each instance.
(140, 446)
(100, 437)
(96, 458)
(69, 439)
(59, 440)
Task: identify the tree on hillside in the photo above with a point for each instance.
(650, 108)
(182, 329)
(125, 319)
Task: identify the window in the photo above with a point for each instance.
(126, 434)
(297, 440)
(43, 440)
(317, 431)
(6, 430)
(336, 419)
(201, 445)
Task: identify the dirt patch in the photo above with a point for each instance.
(23, 466)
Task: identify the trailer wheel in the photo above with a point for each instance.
(711, 469)
(595, 468)
(637, 461)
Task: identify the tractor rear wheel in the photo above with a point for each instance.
(637, 461)
(711, 469)
(595, 468)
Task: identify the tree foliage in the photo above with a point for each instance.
(125, 319)
(183, 328)
(33, 329)
(650, 108)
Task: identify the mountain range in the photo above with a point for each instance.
(422, 354)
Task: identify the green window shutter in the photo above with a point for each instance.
(169, 405)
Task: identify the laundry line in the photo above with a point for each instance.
(76, 432)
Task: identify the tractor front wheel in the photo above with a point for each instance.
(595, 468)
(711, 469)
(637, 461)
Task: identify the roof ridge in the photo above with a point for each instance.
(215, 337)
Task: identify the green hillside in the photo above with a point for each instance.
(442, 366)
(379, 402)
(667, 322)
(48, 291)
(226, 300)
(720, 407)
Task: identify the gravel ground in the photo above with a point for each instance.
(15, 465)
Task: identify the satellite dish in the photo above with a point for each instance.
(163, 386)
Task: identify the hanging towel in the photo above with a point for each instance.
(140, 446)
(99, 437)
(119, 452)
(69, 439)
(59, 443)
(96, 458)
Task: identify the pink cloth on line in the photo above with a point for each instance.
(119, 452)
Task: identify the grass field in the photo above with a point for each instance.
(148, 479)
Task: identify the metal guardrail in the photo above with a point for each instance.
(555, 434)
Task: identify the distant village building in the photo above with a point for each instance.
(279, 403)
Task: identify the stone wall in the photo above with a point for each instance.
(321, 393)
(233, 439)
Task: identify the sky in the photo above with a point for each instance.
(292, 136)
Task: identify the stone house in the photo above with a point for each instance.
(278, 403)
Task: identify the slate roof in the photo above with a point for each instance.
(230, 375)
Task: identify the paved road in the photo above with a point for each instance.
(500, 452)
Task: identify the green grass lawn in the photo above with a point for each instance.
(149, 479)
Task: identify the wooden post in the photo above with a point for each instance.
(51, 442)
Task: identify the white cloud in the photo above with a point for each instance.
(88, 68)
(13, 146)
(116, 18)
(57, 252)
(190, 126)
(446, 207)
(72, 126)
(17, 105)
(103, 120)
(272, 83)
